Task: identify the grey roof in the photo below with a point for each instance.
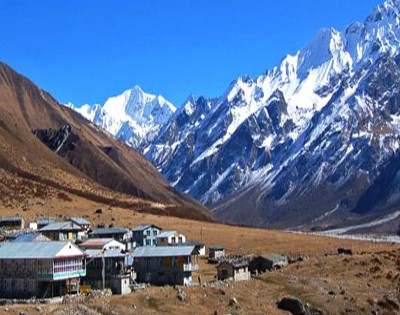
(163, 251)
(143, 227)
(45, 221)
(275, 258)
(218, 248)
(61, 226)
(105, 231)
(92, 253)
(29, 237)
(80, 221)
(191, 243)
(167, 234)
(236, 262)
(31, 250)
(10, 219)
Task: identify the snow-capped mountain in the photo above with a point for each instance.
(315, 139)
(134, 117)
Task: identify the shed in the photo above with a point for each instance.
(215, 253)
(236, 269)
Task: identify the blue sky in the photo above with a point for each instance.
(86, 51)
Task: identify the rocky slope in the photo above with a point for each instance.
(75, 156)
(313, 143)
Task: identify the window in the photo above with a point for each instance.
(148, 242)
(148, 232)
(155, 232)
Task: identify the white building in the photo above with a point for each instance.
(170, 238)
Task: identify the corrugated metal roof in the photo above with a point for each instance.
(45, 221)
(29, 237)
(61, 226)
(107, 253)
(163, 251)
(113, 230)
(143, 227)
(168, 233)
(96, 241)
(32, 250)
(80, 221)
(10, 219)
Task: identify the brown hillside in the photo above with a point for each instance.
(90, 163)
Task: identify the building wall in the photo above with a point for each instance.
(146, 237)
(224, 271)
(241, 274)
(160, 271)
(215, 254)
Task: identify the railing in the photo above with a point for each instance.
(190, 267)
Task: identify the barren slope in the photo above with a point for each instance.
(88, 162)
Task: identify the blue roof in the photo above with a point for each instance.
(28, 237)
(163, 251)
(32, 250)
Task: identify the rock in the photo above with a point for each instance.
(389, 303)
(23, 313)
(232, 301)
(181, 294)
(293, 305)
(39, 309)
(344, 251)
(216, 312)
(302, 258)
(99, 211)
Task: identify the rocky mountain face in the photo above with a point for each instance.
(45, 144)
(313, 143)
(134, 117)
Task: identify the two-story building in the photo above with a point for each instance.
(119, 234)
(62, 231)
(101, 244)
(167, 238)
(83, 223)
(40, 269)
(146, 234)
(108, 269)
(162, 265)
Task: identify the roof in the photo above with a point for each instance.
(10, 219)
(96, 242)
(216, 248)
(34, 250)
(92, 253)
(236, 262)
(45, 221)
(168, 234)
(143, 227)
(80, 221)
(30, 237)
(105, 231)
(274, 258)
(193, 243)
(163, 251)
(61, 226)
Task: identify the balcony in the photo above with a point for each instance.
(190, 267)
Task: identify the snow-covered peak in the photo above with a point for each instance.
(133, 116)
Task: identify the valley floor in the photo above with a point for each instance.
(365, 282)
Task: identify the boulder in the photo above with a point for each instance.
(344, 251)
(293, 305)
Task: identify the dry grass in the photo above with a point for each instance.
(337, 284)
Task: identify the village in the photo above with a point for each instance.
(46, 259)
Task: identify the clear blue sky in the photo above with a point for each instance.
(84, 51)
